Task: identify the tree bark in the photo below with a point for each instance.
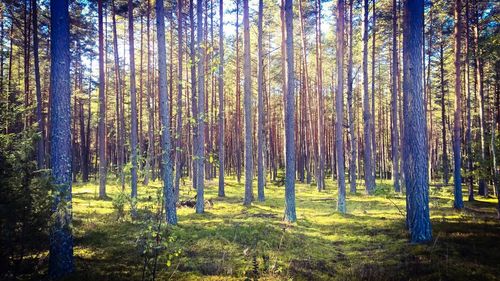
(351, 120)
(289, 108)
(367, 118)
(260, 106)
(457, 119)
(247, 87)
(102, 111)
(178, 150)
(61, 240)
(394, 100)
(200, 137)
(133, 102)
(339, 108)
(221, 191)
(166, 144)
(415, 131)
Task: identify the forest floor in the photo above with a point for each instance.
(231, 241)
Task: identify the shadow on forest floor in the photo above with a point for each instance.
(231, 241)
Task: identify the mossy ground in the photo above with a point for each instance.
(231, 241)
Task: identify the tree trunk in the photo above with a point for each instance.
(443, 114)
(61, 240)
(120, 120)
(238, 99)
(351, 120)
(133, 102)
(40, 154)
(457, 126)
(468, 134)
(339, 108)
(367, 118)
(149, 103)
(178, 150)
(260, 129)
(394, 100)
(194, 106)
(221, 192)
(166, 145)
(483, 189)
(102, 111)
(373, 131)
(289, 108)
(415, 131)
(247, 87)
(200, 138)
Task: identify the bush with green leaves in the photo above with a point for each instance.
(25, 204)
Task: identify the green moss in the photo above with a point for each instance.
(231, 241)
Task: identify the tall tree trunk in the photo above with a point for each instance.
(468, 134)
(120, 120)
(149, 103)
(200, 138)
(443, 114)
(339, 108)
(457, 126)
(289, 108)
(102, 111)
(394, 100)
(260, 106)
(247, 87)
(320, 132)
(367, 118)
(238, 98)
(351, 120)
(221, 101)
(166, 144)
(494, 129)
(415, 140)
(373, 131)
(178, 150)
(133, 101)
(61, 240)
(40, 158)
(483, 188)
(194, 106)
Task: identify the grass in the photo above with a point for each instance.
(231, 241)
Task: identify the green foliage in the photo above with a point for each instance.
(25, 203)
(119, 203)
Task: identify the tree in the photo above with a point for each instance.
(483, 188)
(200, 118)
(394, 99)
(61, 238)
(289, 108)
(221, 100)
(102, 110)
(339, 108)
(133, 101)
(415, 140)
(457, 118)
(443, 113)
(120, 119)
(194, 105)
(40, 158)
(350, 113)
(178, 150)
(367, 118)
(247, 87)
(166, 144)
(260, 106)
(321, 111)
